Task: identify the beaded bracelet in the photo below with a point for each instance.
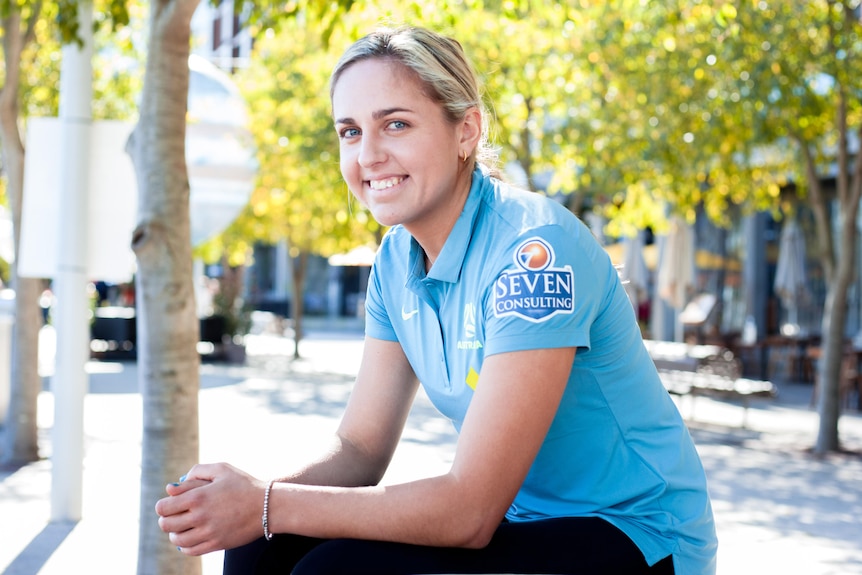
(265, 518)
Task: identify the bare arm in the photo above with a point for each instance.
(516, 399)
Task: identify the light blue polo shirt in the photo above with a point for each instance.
(518, 272)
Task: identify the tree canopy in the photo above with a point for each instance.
(636, 109)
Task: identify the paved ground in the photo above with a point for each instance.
(778, 509)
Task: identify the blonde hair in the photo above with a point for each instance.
(438, 62)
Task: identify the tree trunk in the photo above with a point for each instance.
(300, 264)
(828, 373)
(833, 328)
(230, 304)
(839, 268)
(168, 331)
(21, 425)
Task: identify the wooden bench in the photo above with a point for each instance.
(711, 371)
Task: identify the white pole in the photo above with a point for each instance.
(69, 383)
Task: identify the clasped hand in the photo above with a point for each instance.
(214, 507)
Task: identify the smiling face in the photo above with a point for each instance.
(400, 156)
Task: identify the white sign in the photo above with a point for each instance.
(112, 201)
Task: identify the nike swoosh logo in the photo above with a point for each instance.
(405, 315)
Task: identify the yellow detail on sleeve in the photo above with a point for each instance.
(472, 378)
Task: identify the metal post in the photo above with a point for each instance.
(69, 383)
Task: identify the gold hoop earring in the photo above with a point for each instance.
(465, 156)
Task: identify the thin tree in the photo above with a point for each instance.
(22, 444)
(168, 328)
(167, 319)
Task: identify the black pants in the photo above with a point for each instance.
(576, 545)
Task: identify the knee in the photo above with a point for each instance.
(337, 557)
(244, 559)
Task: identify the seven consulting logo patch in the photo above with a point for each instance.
(535, 290)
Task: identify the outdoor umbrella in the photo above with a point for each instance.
(634, 272)
(676, 271)
(676, 268)
(790, 281)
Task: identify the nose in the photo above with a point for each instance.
(371, 151)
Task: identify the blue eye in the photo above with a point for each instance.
(397, 124)
(349, 132)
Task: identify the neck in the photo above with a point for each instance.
(431, 234)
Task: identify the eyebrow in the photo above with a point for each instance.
(377, 115)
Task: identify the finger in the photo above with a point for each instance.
(181, 487)
(207, 471)
(192, 479)
(192, 542)
(177, 523)
(198, 550)
(179, 500)
(168, 506)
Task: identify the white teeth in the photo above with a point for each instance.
(383, 184)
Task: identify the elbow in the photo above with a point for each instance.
(477, 531)
(479, 540)
(473, 512)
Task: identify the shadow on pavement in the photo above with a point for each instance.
(716, 434)
(122, 377)
(784, 488)
(33, 557)
(7, 469)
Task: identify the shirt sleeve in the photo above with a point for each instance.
(377, 324)
(547, 292)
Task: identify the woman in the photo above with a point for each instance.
(571, 456)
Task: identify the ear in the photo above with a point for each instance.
(471, 130)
